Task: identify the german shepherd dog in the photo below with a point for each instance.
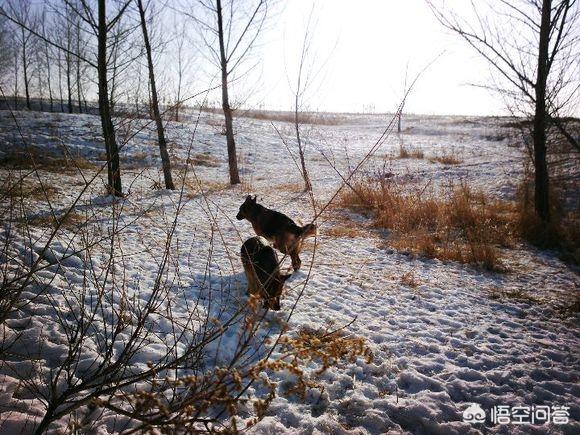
(278, 228)
(263, 271)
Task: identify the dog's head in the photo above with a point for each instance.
(246, 208)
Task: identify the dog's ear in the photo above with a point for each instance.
(249, 198)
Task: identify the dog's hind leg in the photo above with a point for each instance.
(253, 287)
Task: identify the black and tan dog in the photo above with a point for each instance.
(263, 271)
(278, 228)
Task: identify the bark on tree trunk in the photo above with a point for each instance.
(49, 79)
(15, 80)
(232, 156)
(166, 163)
(307, 183)
(60, 82)
(39, 79)
(78, 67)
(113, 167)
(68, 84)
(25, 68)
(541, 192)
(68, 68)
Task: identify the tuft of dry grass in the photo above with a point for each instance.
(344, 229)
(410, 153)
(458, 224)
(501, 294)
(408, 279)
(446, 159)
(293, 187)
(204, 159)
(193, 188)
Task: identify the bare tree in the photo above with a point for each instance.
(48, 61)
(69, 19)
(183, 64)
(102, 30)
(534, 46)
(6, 51)
(78, 44)
(156, 113)
(229, 31)
(23, 12)
(301, 87)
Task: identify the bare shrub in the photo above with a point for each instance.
(458, 224)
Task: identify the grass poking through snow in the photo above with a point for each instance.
(459, 224)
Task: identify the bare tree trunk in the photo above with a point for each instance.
(49, 78)
(307, 183)
(156, 114)
(25, 68)
(60, 82)
(78, 66)
(232, 156)
(68, 70)
(15, 79)
(68, 84)
(39, 78)
(113, 166)
(541, 193)
(114, 59)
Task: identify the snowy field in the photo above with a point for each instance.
(457, 336)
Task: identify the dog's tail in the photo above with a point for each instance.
(308, 230)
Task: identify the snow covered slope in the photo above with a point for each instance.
(450, 337)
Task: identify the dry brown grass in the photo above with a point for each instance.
(408, 279)
(457, 224)
(31, 189)
(204, 159)
(563, 231)
(410, 153)
(194, 188)
(44, 160)
(293, 187)
(345, 229)
(46, 220)
(446, 159)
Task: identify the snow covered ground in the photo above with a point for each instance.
(454, 336)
